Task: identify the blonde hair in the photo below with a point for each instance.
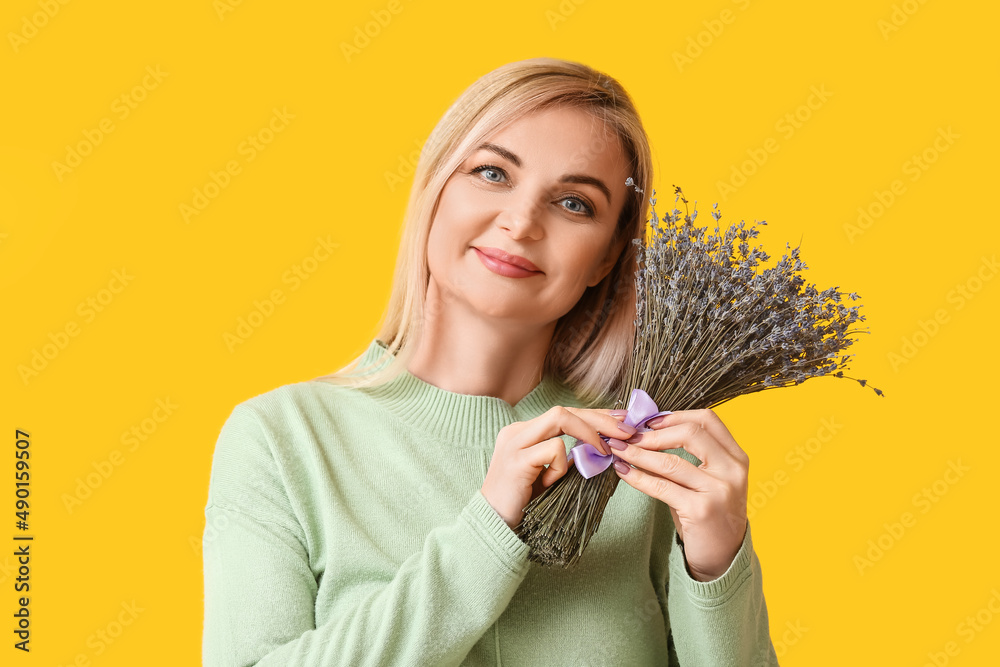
(591, 341)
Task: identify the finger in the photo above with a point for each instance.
(560, 420)
(557, 468)
(709, 421)
(550, 452)
(670, 466)
(670, 492)
(541, 483)
(691, 437)
(605, 423)
(691, 434)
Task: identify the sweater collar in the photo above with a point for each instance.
(464, 420)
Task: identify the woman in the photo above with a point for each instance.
(366, 517)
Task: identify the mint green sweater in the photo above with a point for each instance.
(346, 527)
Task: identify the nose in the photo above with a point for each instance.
(523, 217)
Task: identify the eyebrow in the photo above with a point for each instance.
(566, 178)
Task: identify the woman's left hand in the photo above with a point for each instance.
(708, 502)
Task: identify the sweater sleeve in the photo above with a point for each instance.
(260, 589)
(722, 622)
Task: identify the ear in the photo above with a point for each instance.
(608, 263)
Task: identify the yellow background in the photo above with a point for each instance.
(894, 75)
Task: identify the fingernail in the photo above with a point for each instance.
(616, 443)
(619, 413)
(656, 421)
(622, 467)
(627, 428)
(635, 438)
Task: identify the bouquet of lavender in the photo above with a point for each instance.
(709, 327)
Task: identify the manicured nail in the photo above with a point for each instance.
(616, 443)
(634, 439)
(619, 413)
(627, 428)
(622, 467)
(656, 421)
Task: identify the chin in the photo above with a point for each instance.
(495, 304)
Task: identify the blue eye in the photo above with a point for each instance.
(487, 168)
(585, 209)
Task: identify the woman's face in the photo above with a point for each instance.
(548, 188)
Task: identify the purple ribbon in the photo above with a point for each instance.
(589, 461)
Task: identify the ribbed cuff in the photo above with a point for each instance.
(496, 535)
(716, 591)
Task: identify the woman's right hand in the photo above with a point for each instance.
(517, 472)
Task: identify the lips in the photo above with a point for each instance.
(515, 260)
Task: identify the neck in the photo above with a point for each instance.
(463, 352)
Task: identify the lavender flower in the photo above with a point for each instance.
(710, 325)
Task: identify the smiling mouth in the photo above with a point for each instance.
(503, 268)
